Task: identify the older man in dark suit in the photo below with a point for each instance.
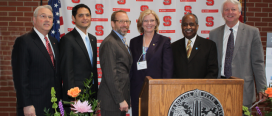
(115, 61)
(35, 66)
(78, 51)
(194, 56)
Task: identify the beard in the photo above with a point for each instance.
(120, 31)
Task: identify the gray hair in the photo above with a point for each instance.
(234, 2)
(196, 19)
(39, 7)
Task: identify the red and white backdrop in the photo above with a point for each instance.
(170, 13)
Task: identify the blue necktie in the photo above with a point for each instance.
(229, 54)
(89, 49)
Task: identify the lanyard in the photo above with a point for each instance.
(144, 52)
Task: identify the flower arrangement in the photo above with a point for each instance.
(84, 106)
(267, 92)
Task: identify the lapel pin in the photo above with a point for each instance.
(196, 48)
(153, 44)
(92, 39)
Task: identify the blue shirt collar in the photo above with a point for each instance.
(119, 35)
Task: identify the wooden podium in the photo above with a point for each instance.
(157, 95)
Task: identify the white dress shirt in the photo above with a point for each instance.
(192, 41)
(43, 40)
(83, 35)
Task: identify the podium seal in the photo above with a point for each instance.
(196, 103)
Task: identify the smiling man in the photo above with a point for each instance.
(115, 62)
(194, 56)
(240, 51)
(78, 51)
(35, 66)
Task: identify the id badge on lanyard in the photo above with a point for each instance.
(142, 64)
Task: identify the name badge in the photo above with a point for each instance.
(141, 65)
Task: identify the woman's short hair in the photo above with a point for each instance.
(141, 19)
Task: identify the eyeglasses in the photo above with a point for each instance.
(186, 24)
(123, 21)
(43, 16)
(151, 21)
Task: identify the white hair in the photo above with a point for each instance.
(39, 7)
(234, 2)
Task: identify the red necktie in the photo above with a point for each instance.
(49, 50)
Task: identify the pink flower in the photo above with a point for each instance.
(82, 107)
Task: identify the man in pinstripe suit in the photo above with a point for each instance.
(35, 66)
(115, 61)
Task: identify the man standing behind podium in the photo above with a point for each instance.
(78, 51)
(194, 56)
(240, 51)
(115, 61)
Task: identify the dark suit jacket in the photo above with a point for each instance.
(201, 64)
(75, 63)
(115, 62)
(33, 72)
(159, 59)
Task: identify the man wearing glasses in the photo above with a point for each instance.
(115, 62)
(194, 56)
(35, 66)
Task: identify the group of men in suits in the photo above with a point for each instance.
(38, 63)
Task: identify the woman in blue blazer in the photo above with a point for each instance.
(152, 55)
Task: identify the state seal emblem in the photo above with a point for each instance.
(196, 103)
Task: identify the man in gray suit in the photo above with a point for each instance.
(115, 62)
(240, 51)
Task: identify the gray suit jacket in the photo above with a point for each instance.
(115, 62)
(247, 61)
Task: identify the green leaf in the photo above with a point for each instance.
(55, 105)
(66, 102)
(53, 92)
(46, 112)
(53, 99)
(73, 114)
(268, 114)
(57, 114)
(65, 113)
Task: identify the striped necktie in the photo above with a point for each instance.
(189, 48)
(49, 50)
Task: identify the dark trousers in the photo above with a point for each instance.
(112, 113)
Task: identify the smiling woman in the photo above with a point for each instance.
(152, 55)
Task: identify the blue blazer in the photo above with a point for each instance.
(159, 59)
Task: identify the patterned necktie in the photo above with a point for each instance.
(126, 44)
(89, 49)
(49, 50)
(189, 48)
(229, 54)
